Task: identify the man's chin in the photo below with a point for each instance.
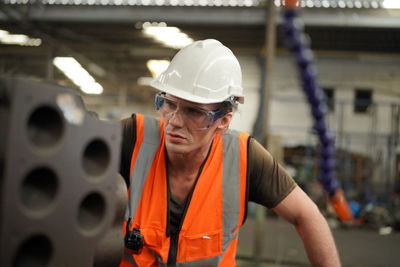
(177, 148)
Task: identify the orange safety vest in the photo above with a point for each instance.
(209, 233)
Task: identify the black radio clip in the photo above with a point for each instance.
(134, 240)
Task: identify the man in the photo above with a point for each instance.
(190, 176)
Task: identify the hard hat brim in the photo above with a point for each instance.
(189, 96)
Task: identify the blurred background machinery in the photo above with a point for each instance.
(60, 194)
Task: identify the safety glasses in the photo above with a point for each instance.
(192, 115)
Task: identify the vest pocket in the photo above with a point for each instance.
(200, 246)
(152, 238)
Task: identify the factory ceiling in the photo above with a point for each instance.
(107, 38)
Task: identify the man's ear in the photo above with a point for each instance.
(224, 122)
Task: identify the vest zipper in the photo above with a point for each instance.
(174, 237)
(173, 249)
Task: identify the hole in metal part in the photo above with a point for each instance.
(34, 252)
(45, 127)
(91, 212)
(39, 189)
(96, 157)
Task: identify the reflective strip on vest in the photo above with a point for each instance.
(143, 163)
(162, 264)
(201, 263)
(209, 262)
(230, 186)
(130, 259)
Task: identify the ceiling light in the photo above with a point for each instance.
(188, 2)
(18, 39)
(156, 67)
(325, 4)
(350, 4)
(3, 33)
(144, 81)
(146, 24)
(366, 4)
(310, 3)
(374, 4)
(78, 75)
(233, 3)
(248, 3)
(14, 39)
(391, 4)
(169, 36)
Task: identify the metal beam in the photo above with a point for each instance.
(374, 18)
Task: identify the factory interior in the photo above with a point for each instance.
(71, 70)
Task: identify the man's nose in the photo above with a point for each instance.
(176, 118)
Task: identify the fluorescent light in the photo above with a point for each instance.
(18, 39)
(146, 81)
(391, 4)
(3, 33)
(156, 67)
(78, 75)
(169, 36)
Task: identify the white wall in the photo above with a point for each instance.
(290, 116)
(244, 118)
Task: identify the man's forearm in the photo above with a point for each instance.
(318, 241)
(298, 209)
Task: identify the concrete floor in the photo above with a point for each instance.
(282, 247)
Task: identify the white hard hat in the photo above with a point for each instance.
(203, 72)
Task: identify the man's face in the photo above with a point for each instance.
(186, 128)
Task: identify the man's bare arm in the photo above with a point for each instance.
(298, 209)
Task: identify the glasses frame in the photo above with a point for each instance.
(213, 115)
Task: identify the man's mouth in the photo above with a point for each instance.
(174, 137)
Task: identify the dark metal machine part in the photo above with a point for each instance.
(62, 201)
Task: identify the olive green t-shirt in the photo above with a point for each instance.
(268, 182)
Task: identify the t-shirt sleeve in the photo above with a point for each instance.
(269, 183)
(127, 145)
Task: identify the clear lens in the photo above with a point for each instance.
(193, 116)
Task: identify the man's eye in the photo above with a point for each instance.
(194, 112)
(170, 104)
